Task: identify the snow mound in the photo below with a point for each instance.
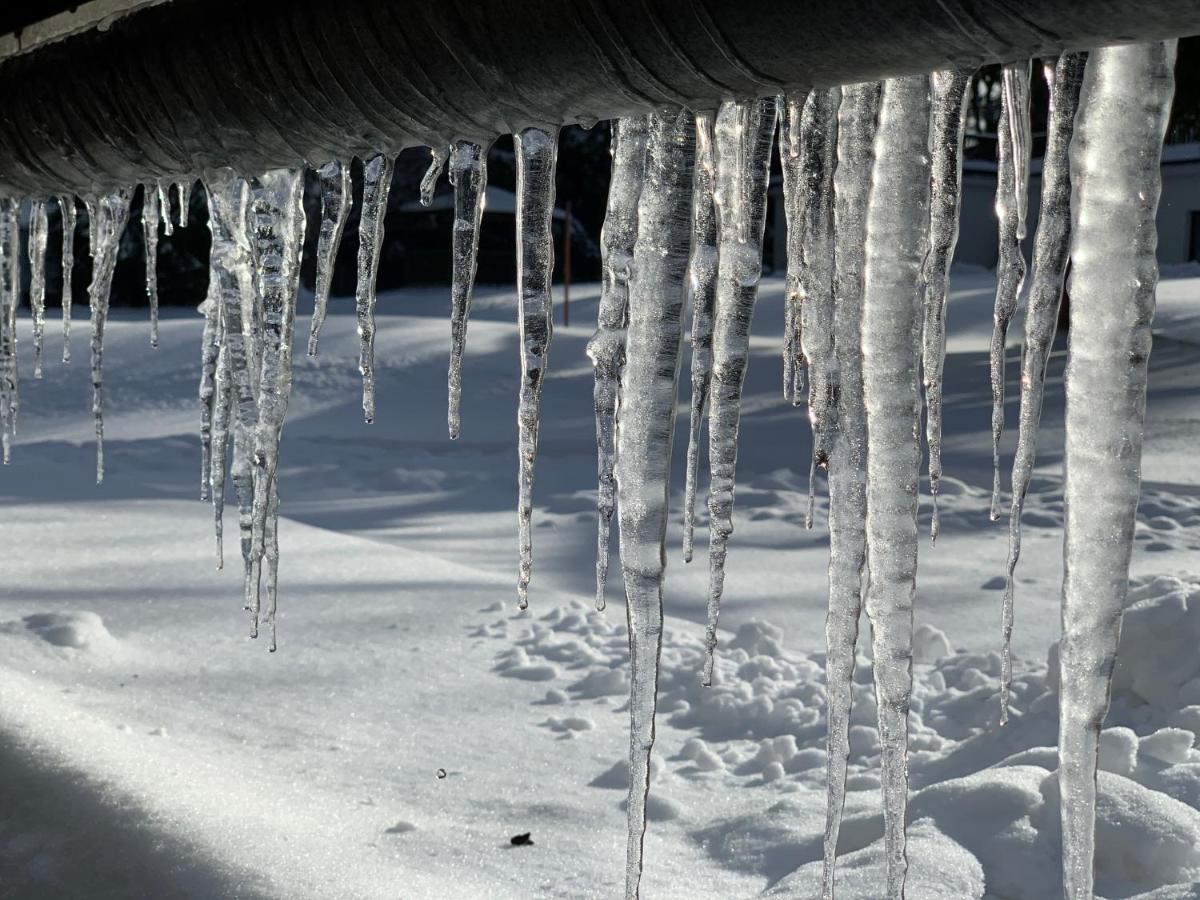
(81, 630)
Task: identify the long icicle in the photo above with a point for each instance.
(745, 131)
(537, 157)
(1012, 183)
(897, 241)
(336, 200)
(66, 203)
(645, 434)
(848, 450)
(10, 280)
(947, 127)
(468, 174)
(277, 215)
(219, 465)
(108, 215)
(150, 221)
(38, 227)
(818, 150)
(377, 184)
(212, 344)
(702, 295)
(1050, 254)
(607, 346)
(791, 112)
(1116, 182)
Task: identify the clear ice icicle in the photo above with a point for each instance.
(468, 174)
(848, 448)
(1116, 182)
(948, 120)
(377, 184)
(1050, 253)
(219, 456)
(1012, 183)
(336, 200)
(702, 294)
(607, 346)
(10, 281)
(744, 133)
(150, 232)
(277, 225)
(537, 157)
(211, 346)
(897, 241)
(164, 202)
(791, 112)
(184, 188)
(38, 227)
(66, 203)
(108, 215)
(437, 162)
(645, 433)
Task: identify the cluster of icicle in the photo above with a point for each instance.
(872, 179)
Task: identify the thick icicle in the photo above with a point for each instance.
(377, 183)
(164, 202)
(537, 156)
(702, 294)
(646, 429)
(607, 346)
(184, 188)
(848, 449)
(1050, 253)
(437, 162)
(744, 133)
(108, 215)
(211, 345)
(791, 112)
(150, 231)
(336, 200)
(468, 174)
(1012, 184)
(10, 281)
(277, 220)
(897, 241)
(66, 203)
(38, 226)
(1116, 182)
(948, 88)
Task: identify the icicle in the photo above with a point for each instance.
(437, 162)
(818, 147)
(150, 231)
(38, 227)
(377, 183)
(537, 155)
(10, 281)
(897, 241)
(1051, 247)
(607, 346)
(468, 174)
(1116, 182)
(336, 200)
(702, 292)
(108, 215)
(278, 239)
(211, 345)
(947, 127)
(848, 449)
(218, 468)
(1012, 183)
(791, 111)
(646, 427)
(231, 285)
(184, 189)
(745, 131)
(66, 203)
(164, 202)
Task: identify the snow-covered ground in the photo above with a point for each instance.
(413, 721)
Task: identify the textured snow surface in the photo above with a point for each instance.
(148, 747)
